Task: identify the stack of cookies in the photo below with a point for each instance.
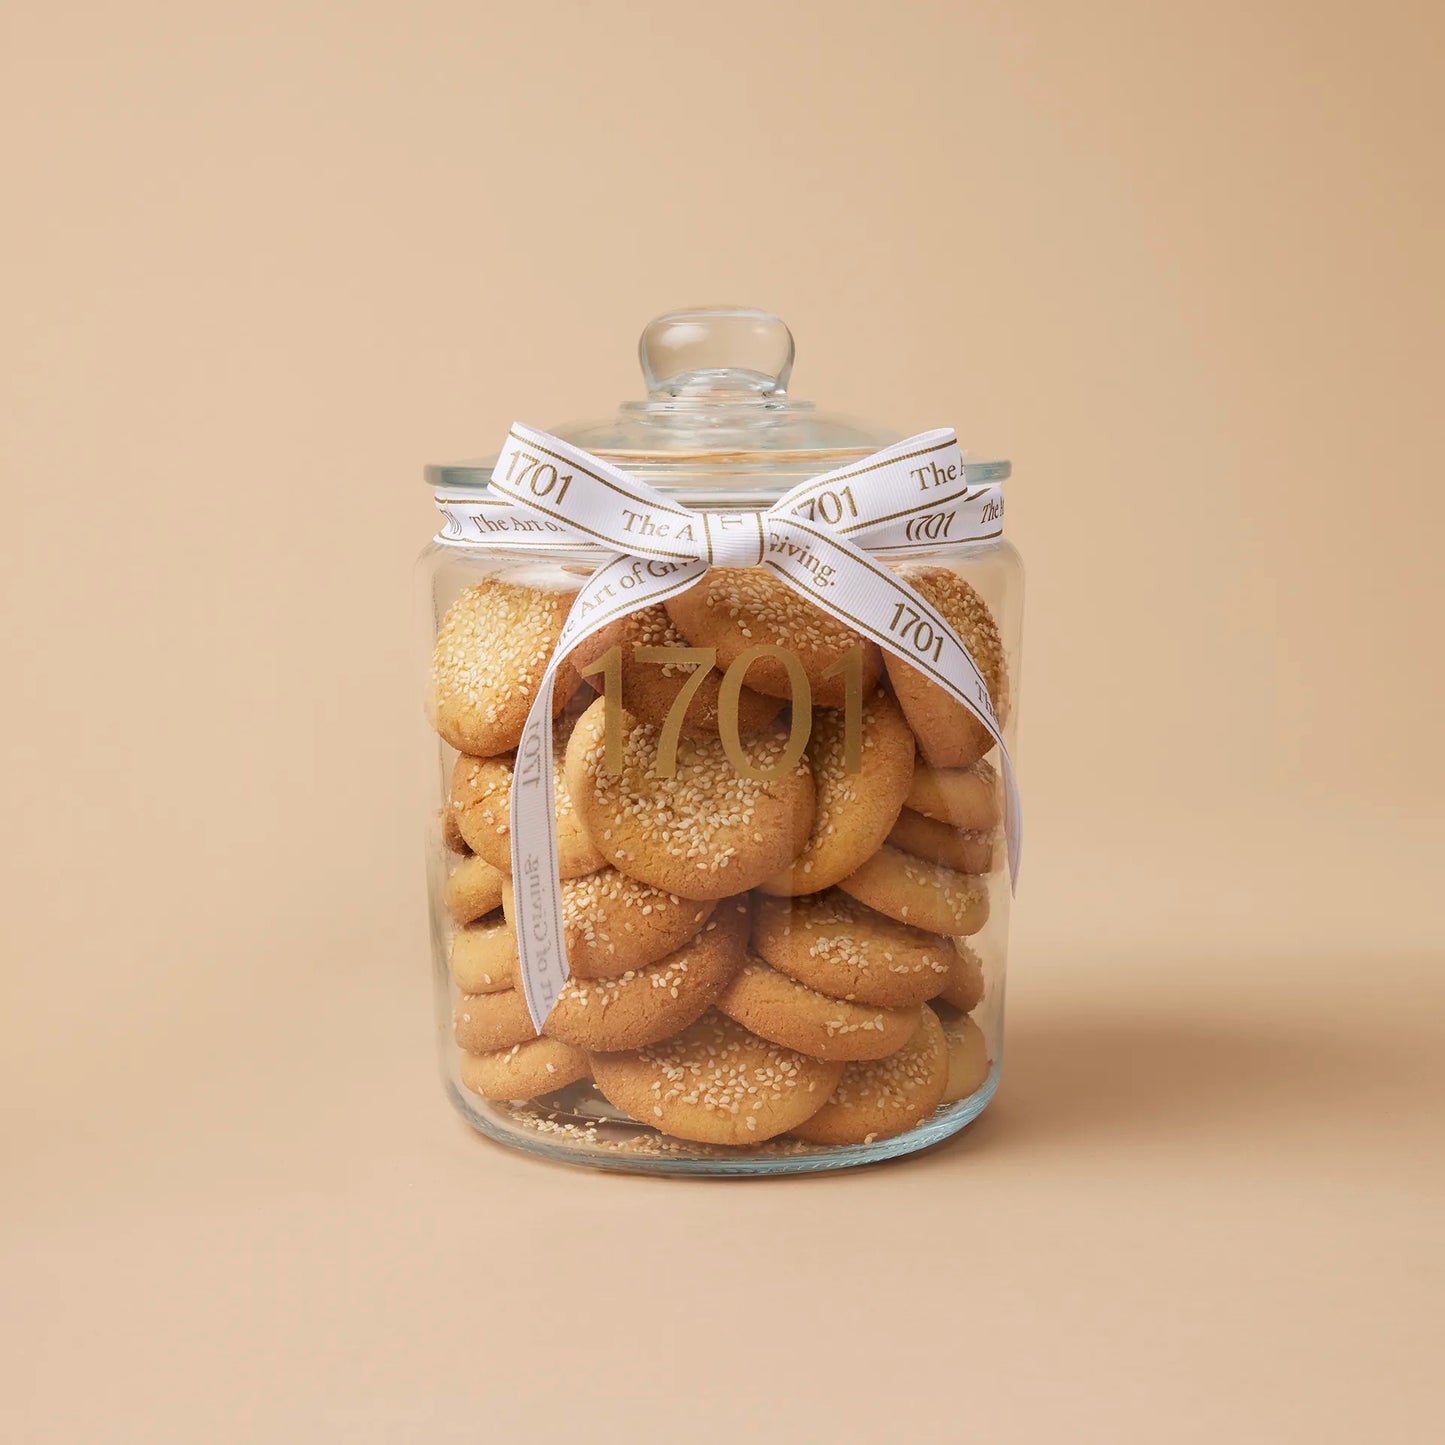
(760, 943)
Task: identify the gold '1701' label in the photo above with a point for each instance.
(703, 661)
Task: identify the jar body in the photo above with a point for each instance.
(785, 896)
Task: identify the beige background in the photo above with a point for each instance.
(1180, 261)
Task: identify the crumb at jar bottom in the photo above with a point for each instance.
(577, 1125)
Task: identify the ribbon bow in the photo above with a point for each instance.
(816, 538)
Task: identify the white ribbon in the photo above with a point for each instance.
(546, 492)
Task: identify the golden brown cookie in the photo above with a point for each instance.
(525, 1070)
(716, 1083)
(790, 1013)
(966, 797)
(833, 944)
(964, 989)
(611, 923)
(452, 839)
(649, 689)
(705, 832)
(483, 956)
(482, 798)
(474, 888)
(949, 736)
(927, 895)
(735, 609)
(492, 648)
(482, 1022)
(646, 1005)
(855, 811)
(884, 1097)
(968, 850)
(968, 1062)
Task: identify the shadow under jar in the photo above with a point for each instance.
(784, 889)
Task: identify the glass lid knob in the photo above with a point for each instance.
(717, 353)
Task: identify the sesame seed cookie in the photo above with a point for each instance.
(965, 986)
(482, 797)
(855, 811)
(966, 797)
(735, 608)
(968, 1061)
(473, 889)
(611, 923)
(949, 736)
(492, 648)
(646, 1005)
(483, 956)
(969, 850)
(833, 944)
(705, 832)
(649, 689)
(883, 1097)
(927, 895)
(525, 1070)
(716, 1083)
(798, 1017)
(482, 1022)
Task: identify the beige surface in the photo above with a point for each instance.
(1180, 261)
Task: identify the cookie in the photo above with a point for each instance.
(523, 1071)
(483, 956)
(649, 689)
(611, 923)
(965, 985)
(482, 798)
(716, 1083)
(965, 797)
(968, 1062)
(833, 944)
(779, 1008)
(492, 648)
(949, 736)
(705, 832)
(883, 1097)
(854, 811)
(473, 888)
(646, 1005)
(927, 895)
(452, 839)
(483, 1022)
(737, 608)
(967, 850)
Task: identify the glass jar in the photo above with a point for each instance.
(783, 885)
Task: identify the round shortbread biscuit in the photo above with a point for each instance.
(949, 736)
(473, 888)
(735, 609)
(716, 1083)
(645, 1005)
(481, 795)
(483, 956)
(968, 850)
(927, 895)
(855, 811)
(968, 1061)
(525, 1070)
(779, 1008)
(965, 986)
(649, 689)
(705, 832)
(883, 1097)
(491, 651)
(483, 1022)
(611, 923)
(833, 944)
(965, 797)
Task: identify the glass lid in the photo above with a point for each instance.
(717, 420)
